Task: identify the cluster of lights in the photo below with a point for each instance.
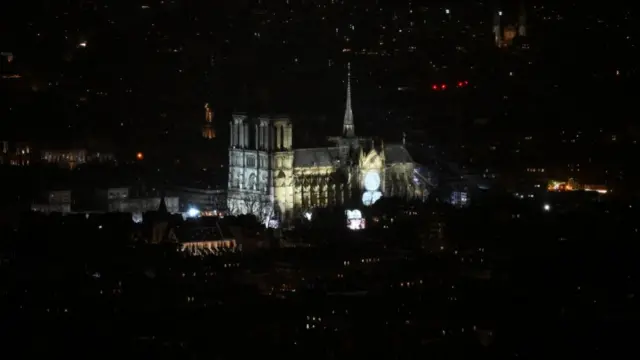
(193, 212)
(355, 221)
(460, 84)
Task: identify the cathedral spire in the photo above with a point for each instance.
(162, 209)
(347, 125)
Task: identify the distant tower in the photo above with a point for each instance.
(509, 34)
(208, 132)
(522, 20)
(497, 34)
(8, 56)
(348, 129)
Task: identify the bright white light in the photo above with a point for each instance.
(355, 220)
(370, 197)
(546, 207)
(274, 223)
(367, 198)
(372, 181)
(356, 224)
(136, 217)
(499, 13)
(447, 11)
(308, 215)
(353, 214)
(82, 44)
(193, 212)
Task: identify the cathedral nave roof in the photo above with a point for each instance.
(397, 154)
(315, 157)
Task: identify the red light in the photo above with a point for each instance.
(466, 82)
(460, 84)
(435, 87)
(444, 86)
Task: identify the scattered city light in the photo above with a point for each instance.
(459, 84)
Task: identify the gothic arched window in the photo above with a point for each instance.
(251, 184)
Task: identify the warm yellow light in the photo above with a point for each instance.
(139, 156)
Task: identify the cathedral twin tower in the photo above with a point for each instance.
(269, 133)
(257, 148)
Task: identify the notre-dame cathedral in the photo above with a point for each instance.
(270, 178)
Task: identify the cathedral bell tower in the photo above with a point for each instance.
(284, 133)
(282, 173)
(238, 140)
(239, 127)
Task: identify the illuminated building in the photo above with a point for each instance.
(70, 158)
(65, 158)
(355, 221)
(208, 132)
(268, 177)
(8, 56)
(7, 67)
(206, 247)
(198, 238)
(573, 185)
(505, 36)
(194, 236)
(143, 204)
(16, 154)
(57, 201)
(207, 201)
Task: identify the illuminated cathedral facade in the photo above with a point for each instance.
(271, 179)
